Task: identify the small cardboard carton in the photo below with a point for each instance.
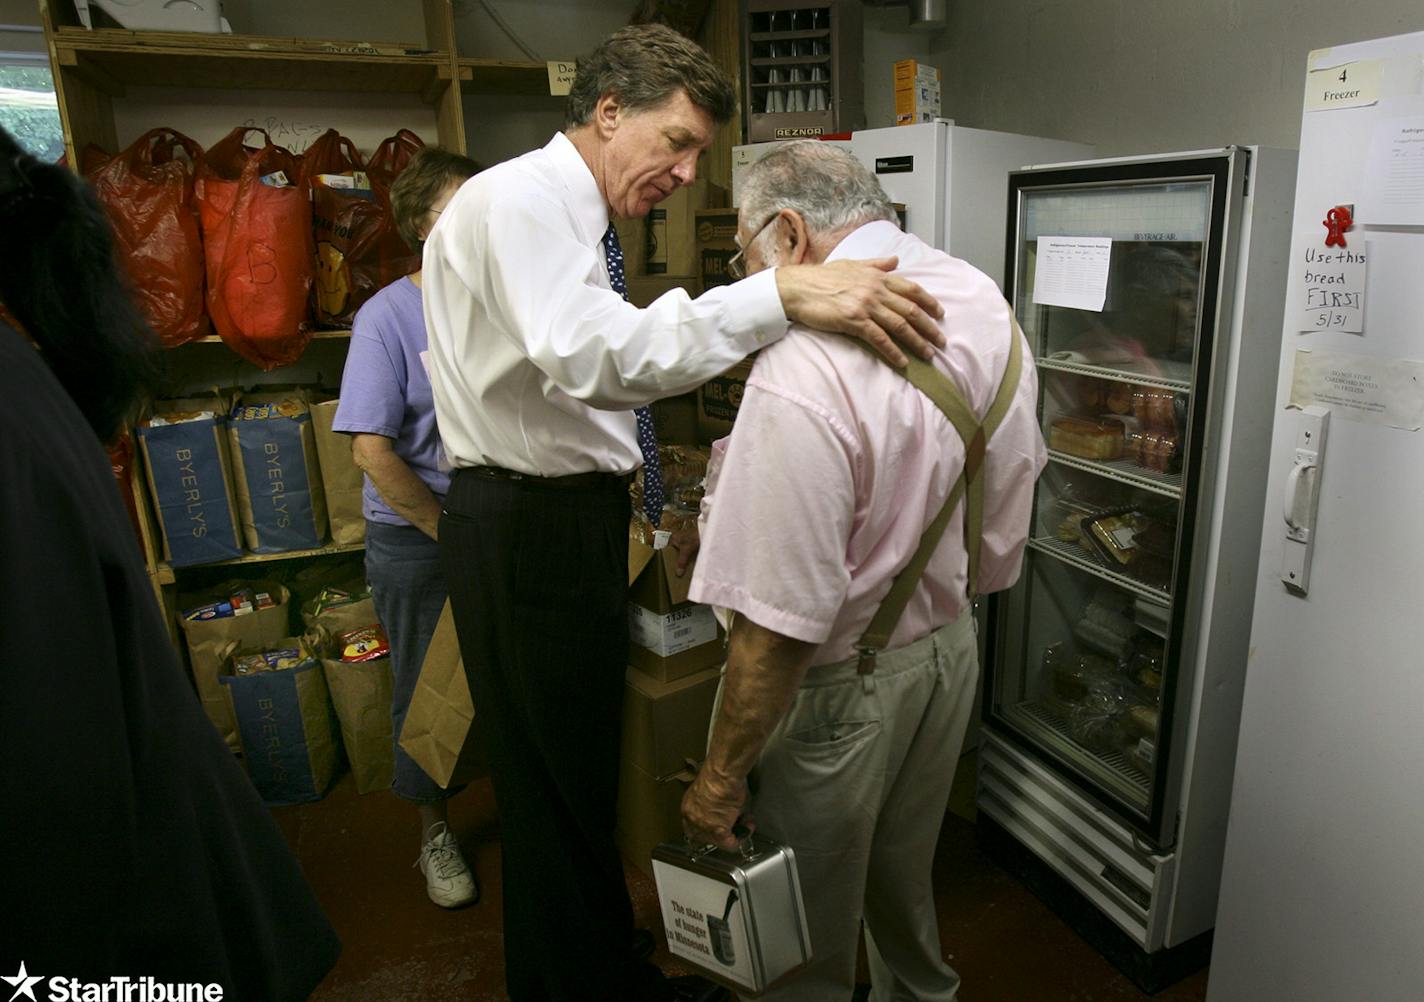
(672, 228)
(665, 724)
(917, 92)
(642, 291)
(718, 400)
(671, 637)
(649, 812)
(716, 245)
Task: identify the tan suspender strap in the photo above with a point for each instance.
(974, 505)
(950, 401)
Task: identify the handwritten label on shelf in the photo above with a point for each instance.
(561, 77)
(1333, 287)
(1387, 391)
(1072, 272)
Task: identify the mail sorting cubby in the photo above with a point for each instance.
(801, 68)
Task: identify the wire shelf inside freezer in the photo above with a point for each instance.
(1124, 471)
(1136, 783)
(1168, 375)
(1074, 554)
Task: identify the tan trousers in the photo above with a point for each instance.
(857, 782)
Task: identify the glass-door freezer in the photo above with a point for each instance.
(1086, 648)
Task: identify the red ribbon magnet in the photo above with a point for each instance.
(1337, 221)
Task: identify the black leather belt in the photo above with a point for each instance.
(574, 481)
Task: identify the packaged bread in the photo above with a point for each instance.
(1141, 721)
(1087, 438)
(1154, 409)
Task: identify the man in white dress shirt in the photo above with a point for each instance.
(536, 365)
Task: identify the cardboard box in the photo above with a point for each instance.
(718, 400)
(649, 812)
(672, 228)
(642, 291)
(189, 472)
(633, 239)
(917, 92)
(716, 245)
(675, 419)
(665, 724)
(671, 637)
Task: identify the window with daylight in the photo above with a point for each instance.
(28, 109)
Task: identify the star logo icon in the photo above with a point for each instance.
(24, 984)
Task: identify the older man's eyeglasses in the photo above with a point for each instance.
(737, 263)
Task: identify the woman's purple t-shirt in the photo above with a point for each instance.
(385, 390)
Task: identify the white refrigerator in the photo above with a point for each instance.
(952, 181)
(1322, 891)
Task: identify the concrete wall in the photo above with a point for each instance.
(1141, 76)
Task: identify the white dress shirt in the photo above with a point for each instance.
(535, 362)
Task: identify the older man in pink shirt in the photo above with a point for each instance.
(816, 501)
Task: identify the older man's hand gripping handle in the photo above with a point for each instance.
(863, 299)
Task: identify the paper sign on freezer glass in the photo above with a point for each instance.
(1072, 272)
(1393, 192)
(1333, 287)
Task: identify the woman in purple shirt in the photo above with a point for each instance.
(387, 408)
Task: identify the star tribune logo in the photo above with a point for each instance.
(23, 983)
(117, 989)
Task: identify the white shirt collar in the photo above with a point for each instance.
(589, 206)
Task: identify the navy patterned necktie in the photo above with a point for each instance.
(647, 438)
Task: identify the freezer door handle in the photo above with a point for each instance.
(1296, 502)
(1302, 498)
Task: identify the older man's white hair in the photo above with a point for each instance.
(828, 186)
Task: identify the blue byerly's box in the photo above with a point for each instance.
(278, 481)
(185, 452)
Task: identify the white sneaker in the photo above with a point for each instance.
(448, 880)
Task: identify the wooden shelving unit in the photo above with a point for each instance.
(504, 76)
(95, 69)
(167, 576)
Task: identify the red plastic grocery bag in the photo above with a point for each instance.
(256, 216)
(147, 192)
(358, 249)
(393, 154)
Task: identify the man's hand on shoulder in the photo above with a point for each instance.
(864, 300)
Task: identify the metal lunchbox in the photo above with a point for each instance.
(734, 914)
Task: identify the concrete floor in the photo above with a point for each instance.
(358, 852)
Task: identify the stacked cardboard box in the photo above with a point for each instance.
(674, 666)
(917, 92)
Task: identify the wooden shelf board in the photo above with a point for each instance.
(505, 76)
(166, 571)
(169, 59)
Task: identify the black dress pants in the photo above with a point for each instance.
(538, 580)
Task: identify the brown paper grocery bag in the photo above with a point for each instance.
(361, 693)
(339, 475)
(439, 730)
(210, 641)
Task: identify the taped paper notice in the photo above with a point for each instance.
(1350, 85)
(1332, 287)
(1394, 177)
(1072, 272)
(561, 77)
(1387, 391)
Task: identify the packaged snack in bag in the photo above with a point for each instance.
(365, 643)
